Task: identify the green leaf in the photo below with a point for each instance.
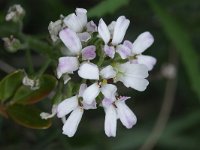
(9, 84)
(28, 116)
(106, 7)
(182, 42)
(24, 95)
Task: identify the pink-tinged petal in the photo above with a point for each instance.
(126, 116)
(108, 72)
(67, 65)
(103, 31)
(148, 61)
(82, 16)
(120, 30)
(66, 106)
(110, 124)
(73, 23)
(128, 44)
(109, 51)
(71, 124)
(71, 40)
(109, 91)
(88, 70)
(123, 51)
(84, 37)
(91, 27)
(82, 89)
(143, 41)
(89, 106)
(106, 102)
(91, 93)
(89, 52)
(111, 27)
(123, 98)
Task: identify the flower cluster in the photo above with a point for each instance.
(99, 56)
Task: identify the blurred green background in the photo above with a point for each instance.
(168, 111)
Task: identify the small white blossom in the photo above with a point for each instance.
(113, 34)
(54, 29)
(15, 13)
(132, 75)
(116, 108)
(76, 106)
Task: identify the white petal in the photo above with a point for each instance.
(66, 78)
(132, 75)
(134, 70)
(103, 31)
(67, 65)
(91, 93)
(67, 106)
(82, 88)
(84, 36)
(120, 30)
(148, 61)
(108, 72)
(143, 41)
(139, 84)
(123, 51)
(126, 116)
(91, 27)
(71, 40)
(109, 91)
(110, 124)
(109, 51)
(82, 16)
(89, 71)
(111, 27)
(71, 124)
(73, 22)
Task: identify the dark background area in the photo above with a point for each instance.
(169, 108)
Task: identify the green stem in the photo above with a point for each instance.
(29, 61)
(43, 68)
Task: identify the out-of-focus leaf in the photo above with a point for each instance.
(25, 95)
(28, 116)
(106, 7)
(182, 42)
(9, 84)
(185, 122)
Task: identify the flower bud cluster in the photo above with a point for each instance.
(100, 57)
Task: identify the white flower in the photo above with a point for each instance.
(116, 108)
(143, 41)
(76, 106)
(132, 75)
(54, 29)
(113, 35)
(69, 64)
(15, 13)
(78, 23)
(91, 71)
